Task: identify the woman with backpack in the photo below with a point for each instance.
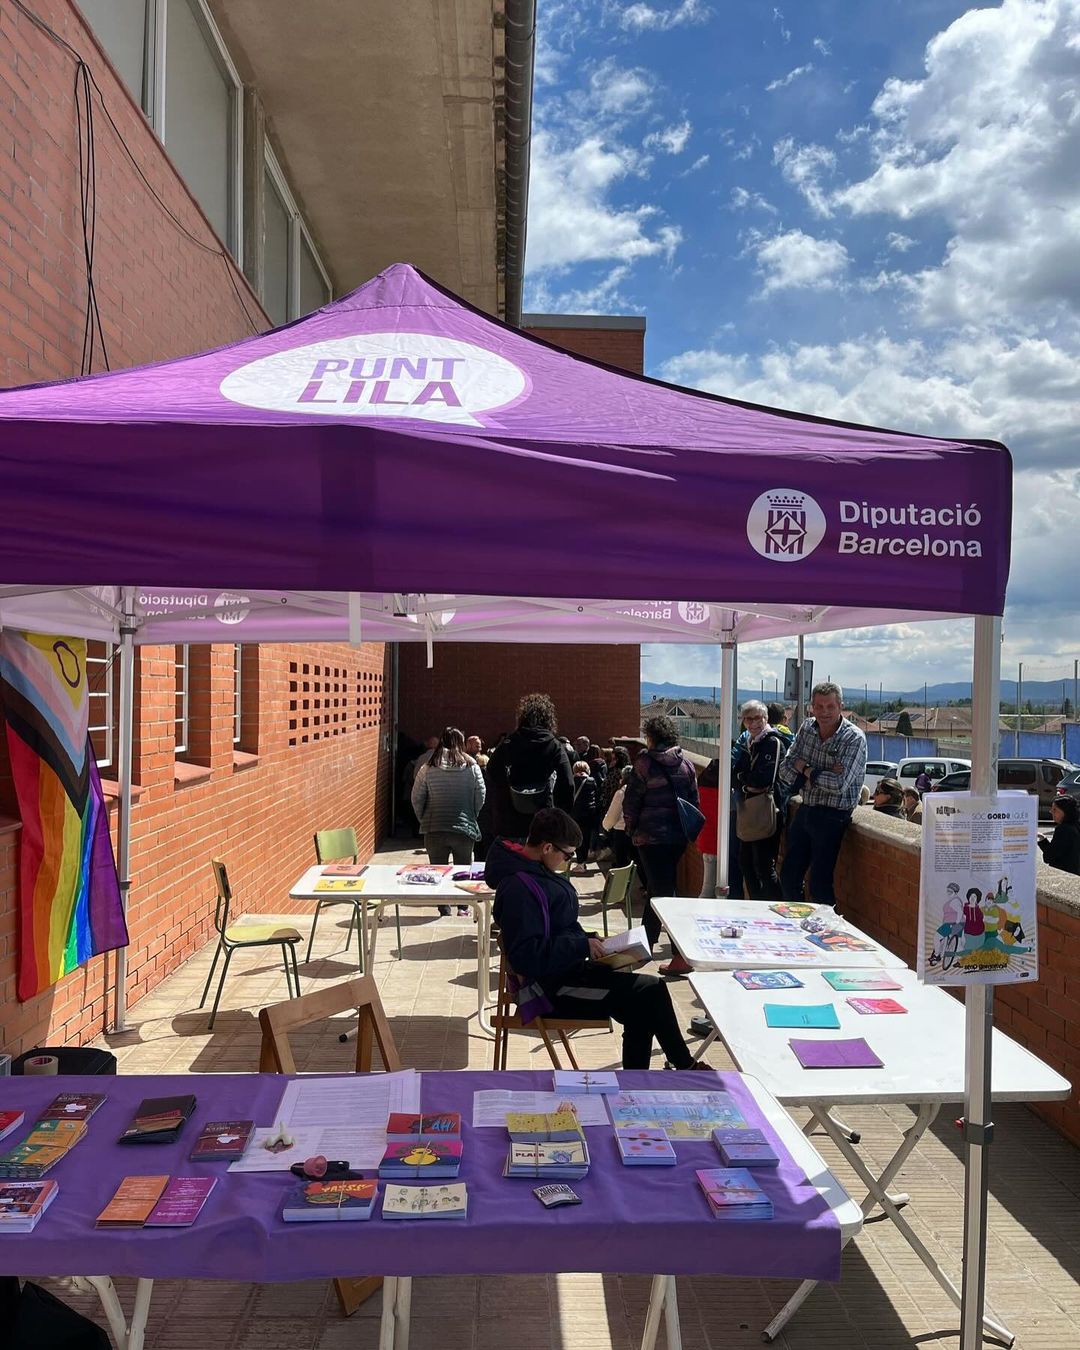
(755, 776)
(529, 771)
(447, 796)
(661, 778)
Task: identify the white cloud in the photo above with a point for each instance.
(899, 243)
(820, 45)
(784, 80)
(640, 17)
(785, 31)
(743, 200)
(604, 297)
(698, 163)
(616, 89)
(571, 216)
(804, 166)
(988, 140)
(794, 260)
(671, 140)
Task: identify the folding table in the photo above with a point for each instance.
(661, 1218)
(922, 1051)
(384, 886)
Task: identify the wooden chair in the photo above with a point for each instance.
(230, 939)
(276, 1056)
(506, 1019)
(617, 893)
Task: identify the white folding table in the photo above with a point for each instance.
(384, 886)
(922, 1052)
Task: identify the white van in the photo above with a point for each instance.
(909, 769)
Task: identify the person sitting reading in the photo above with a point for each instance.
(561, 956)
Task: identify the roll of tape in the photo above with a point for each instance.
(40, 1064)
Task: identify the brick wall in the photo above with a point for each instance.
(476, 686)
(623, 347)
(877, 880)
(257, 811)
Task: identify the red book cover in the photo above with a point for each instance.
(10, 1120)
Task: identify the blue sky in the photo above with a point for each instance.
(860, 208)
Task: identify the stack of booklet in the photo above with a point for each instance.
(641, 1147)
(330, 1201)
(426, 1202)
(744, 1148)
(546, 1146)
(424, 1147)
(61, 1125)
(733, 1194)
(22, 1203)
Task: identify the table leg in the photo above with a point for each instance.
(656, 1307)
(699, 1053)
(482, 914)
(388, 1324)
(403, 1312)
(373, 931)
(143, 1291)
(103, 1286)
(671, 1316)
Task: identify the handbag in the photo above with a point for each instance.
(691, 820)
(756, 817)
(528, 800)
(529, 995)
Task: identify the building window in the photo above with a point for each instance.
(122, 28)
(294, 279)
(238, 691)
(182, 703)
(101, 696)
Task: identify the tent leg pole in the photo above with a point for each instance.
(723, 750)
(979, 1001)
(124, 764)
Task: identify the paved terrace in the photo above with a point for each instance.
(886, 1299)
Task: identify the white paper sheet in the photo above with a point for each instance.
(349, 1111)
(490, 1107)
(258, 1159)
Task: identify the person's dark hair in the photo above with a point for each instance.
(777, 713)
(537, 710)
(451, 752)
(660, 730)
(892, 788)
(552, 826)
(594, 753)
(1069, 807)
(620, 756)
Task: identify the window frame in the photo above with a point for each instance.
(182, 723)
(238, 687)
(108, 692)
(298, 231)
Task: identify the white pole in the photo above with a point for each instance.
(979, 1002)
(124, 758)
(723, 751)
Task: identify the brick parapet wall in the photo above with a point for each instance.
(877, 882)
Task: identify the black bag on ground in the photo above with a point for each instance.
(37, 1320)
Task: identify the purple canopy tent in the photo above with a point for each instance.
(301, 485)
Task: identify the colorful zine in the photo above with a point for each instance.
(556, 1194)
(425, 1202)
(344, 870)
(330, 1201)
(846, 1054)
(645, 1148)
(831, 940)
(427, 1157)
(133, 1202)
(339, 884)
(22, 1203)
(684, 1115)
(181, 1202)
(821, 1015)
(876, 1005)
(792, 911)
(10, 1120)
(587, 1081)
(855, 981)
(745, 1148)
(222, 1141)
(543, 1127)
(73, 1106)
(569, 1161)
(767, 979)
(402, 1126)
(733, 1194)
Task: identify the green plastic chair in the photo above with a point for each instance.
(617, 892)
(246, 935)
(336, 846)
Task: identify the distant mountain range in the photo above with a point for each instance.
(1038, 691)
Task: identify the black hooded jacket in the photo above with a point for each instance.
(520, 917)
(527, 758)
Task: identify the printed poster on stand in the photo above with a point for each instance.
(977, 915)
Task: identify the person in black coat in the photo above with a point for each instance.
(530, 758)
(1062, 850)
(755, 773)
(585, 810)
(544, 943)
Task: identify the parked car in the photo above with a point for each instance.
(1070, 784)
(936, 767)
(1043, 778)
(876, 770)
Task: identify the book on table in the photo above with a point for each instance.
(626, 949)
(426, 1157)
(159, 1120)
(181, 1202)
(857, 981)
(425, 1202)
(222, 1140)
(335, 884)
(644, 1147)
(73, 1106)
(10, 1120)
(745, 1148)
(133, 1202)
(403, 1126)
(548, 1162)
(589, 1082)
(344, 869)
(871, 1006)
(853, 1053)
(330, 1201)
(821, 1015)
(766, 979)
(544, 1127)
(47, 1142)
(22, 1203)
(733, 1194)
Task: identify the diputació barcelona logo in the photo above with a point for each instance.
(785, 525)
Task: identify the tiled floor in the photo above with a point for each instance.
(885, 1300)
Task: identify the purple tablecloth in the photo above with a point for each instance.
(636, 1220)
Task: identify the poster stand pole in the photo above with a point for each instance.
(979, 1002)
(125, 738)
(723, 752)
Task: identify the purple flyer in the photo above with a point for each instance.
(852, 1054)
(181, 1202)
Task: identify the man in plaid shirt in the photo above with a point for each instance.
(829, 754)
